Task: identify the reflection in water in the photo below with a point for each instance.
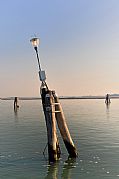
(52, 171)
(107, 110)
(68, 166)
(16, 113)
(66, 173)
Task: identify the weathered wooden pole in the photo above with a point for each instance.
(64, 129)
(16, 103)
(53, 143)
(107, 99)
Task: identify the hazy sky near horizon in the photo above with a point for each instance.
(79, 46)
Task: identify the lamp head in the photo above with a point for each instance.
(35, 42)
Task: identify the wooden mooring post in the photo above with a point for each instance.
(53, 112)
(62, 125)
(16, 103)
(107, 99)
(53, 143)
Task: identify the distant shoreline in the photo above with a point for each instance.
(62, 97)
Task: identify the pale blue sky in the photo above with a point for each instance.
(79, 46)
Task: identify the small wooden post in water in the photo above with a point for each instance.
(16, 103)
(107, 99)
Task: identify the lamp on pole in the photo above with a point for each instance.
(35, 42)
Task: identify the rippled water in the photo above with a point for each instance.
(94, 128)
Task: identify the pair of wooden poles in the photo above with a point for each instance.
(53, 113)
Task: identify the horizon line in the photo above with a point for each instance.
(64, 97)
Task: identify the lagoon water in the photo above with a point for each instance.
(94, 128)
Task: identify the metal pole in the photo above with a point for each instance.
(36, 49)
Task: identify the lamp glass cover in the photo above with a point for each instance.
(35, 42)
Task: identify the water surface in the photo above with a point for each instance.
(94, 128)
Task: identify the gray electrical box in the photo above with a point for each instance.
(42, 75)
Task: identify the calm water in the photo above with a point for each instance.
(94, 128)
